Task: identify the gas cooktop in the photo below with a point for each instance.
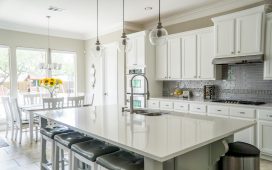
(239, 102)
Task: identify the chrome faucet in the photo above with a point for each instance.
(132, 93)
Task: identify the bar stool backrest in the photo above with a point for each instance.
(53, 103)
(75, 101)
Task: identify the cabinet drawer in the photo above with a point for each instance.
(220, 110)
(242, 112)
(180, 106)
(198, 108)
(265, 115)
(166, 105)
(154, 104)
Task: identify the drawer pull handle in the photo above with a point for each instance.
(166, 105)
(269, 116)
(242, 113)
(198, 108)
(181, 106)
(219, 110)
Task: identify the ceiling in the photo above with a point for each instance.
(78, 18)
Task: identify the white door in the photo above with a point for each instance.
(265, 137)
(224, 38)
(110, 71)
(174, 59)
(206, 70)
(249, 34)
(161, 62)
(268, 49)
(189, 57)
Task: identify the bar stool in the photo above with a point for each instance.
(63, 142)
(87, 152)
(47, 135)
(121, 160)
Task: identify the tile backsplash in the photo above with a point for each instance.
(239, 82)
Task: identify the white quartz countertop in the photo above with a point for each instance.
(266, 106)
(158, 137)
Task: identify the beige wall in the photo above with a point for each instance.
(15, 39)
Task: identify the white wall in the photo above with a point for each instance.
(15, 39)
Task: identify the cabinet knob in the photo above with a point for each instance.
(169, 77)
(242, 113)
(239, 51)
(232, 52)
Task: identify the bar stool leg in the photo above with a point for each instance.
(56, 158)
(43, 153)
(74, 162)
(62, 159)
(70, 160)
(53, 154)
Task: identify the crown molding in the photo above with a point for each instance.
(205, 11)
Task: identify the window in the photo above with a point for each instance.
(4, 77)
(28, 71)
(67, 71)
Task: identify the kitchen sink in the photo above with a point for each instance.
(149, 112)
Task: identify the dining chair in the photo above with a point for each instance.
(10, 122)
(53, 103)
(31, 99)
(21, 124)
(75, 101)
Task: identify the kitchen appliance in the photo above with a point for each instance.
(239, 102)
(209, 92)
(139, 86)
(239, 60)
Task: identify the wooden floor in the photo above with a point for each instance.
(27, 156)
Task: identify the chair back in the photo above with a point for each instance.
(16, 111)
(7, 108)
(53, 103)
(31, 99)
(75, 101)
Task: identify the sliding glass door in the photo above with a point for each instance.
(4, 77)
(28, 71)
(67, 73)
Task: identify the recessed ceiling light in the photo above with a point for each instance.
(55, 9)
(149, 8)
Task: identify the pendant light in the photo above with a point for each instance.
(156, 36)
(98, 47)
(125, 43)
(49, 66)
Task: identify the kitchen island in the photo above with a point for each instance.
(167, 142)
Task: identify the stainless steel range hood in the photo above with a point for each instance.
(239, 60)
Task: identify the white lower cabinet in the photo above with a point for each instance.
(181, 107)
(198, 109)
(153, 104)
(218, 111)
(265, 132)
(246, 135)
(166, 105)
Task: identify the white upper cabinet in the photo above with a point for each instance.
(189, 56)
(136, 56)
(268, 49)
(168, 60)
(205, 55)
(224, 37)
(249, 33)
(174, 59)
(240, 33)
(162, 62)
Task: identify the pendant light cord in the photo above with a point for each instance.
(97, 20)
(48, 31)
(123, 16)
(159, 11)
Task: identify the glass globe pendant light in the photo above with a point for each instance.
(125, 43)
(157, 35)
(98, 47)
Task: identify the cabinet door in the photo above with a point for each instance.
(246, 136)
(161, 61)
(265, 137)
(174, 59)
(224, 38)
(268, 50)
(140, 50)
(131, 55)
(249, 34)
(189, 57)
(205, 46)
